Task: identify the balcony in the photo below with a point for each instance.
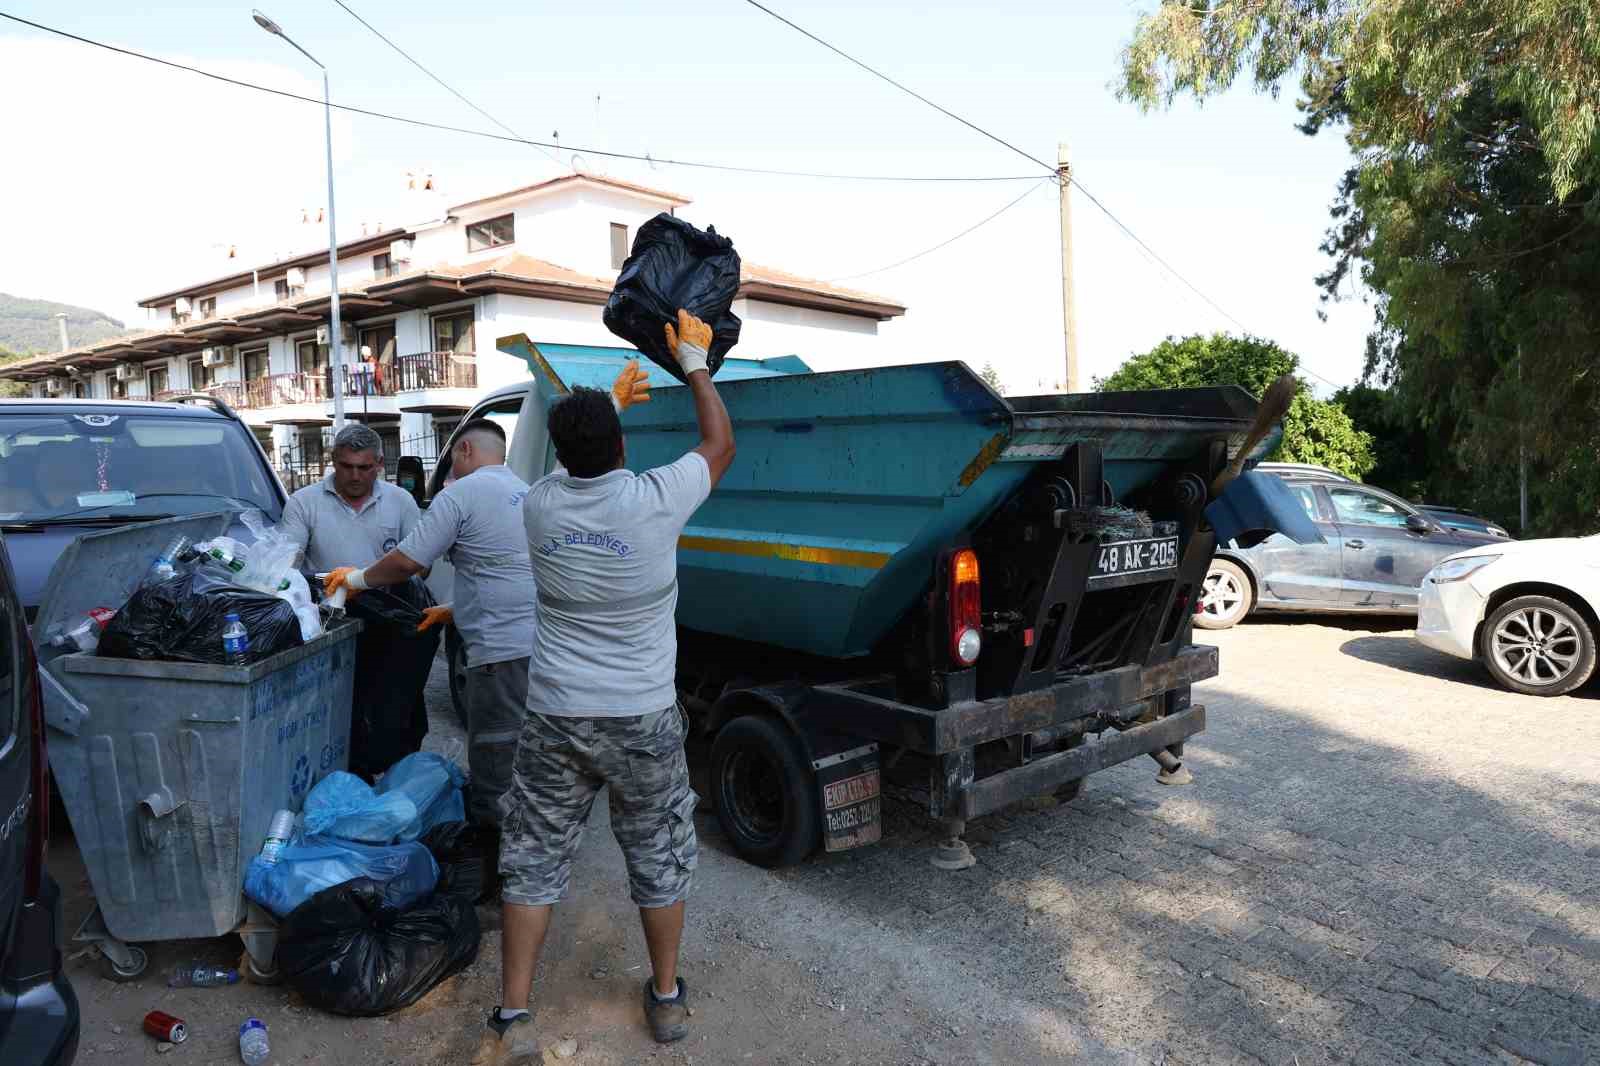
(437, 370)
(282, 390)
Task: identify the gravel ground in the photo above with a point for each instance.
(1383, 859)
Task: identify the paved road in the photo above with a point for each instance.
(1383, 860)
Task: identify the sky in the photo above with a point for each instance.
(127, 179)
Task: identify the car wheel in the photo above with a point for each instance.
(766, 793)
(1225, 596)
(1538, 646)
(456, 658)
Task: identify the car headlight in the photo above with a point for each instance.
(1459, 569)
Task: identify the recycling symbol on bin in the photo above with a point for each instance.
(301, 776)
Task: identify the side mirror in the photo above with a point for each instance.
(1414, 522)
(411, 476)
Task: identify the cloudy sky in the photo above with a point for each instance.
(125, 178)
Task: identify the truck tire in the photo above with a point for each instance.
(1225, 597)
(1538, 646)
(455, 658)
(765, 792)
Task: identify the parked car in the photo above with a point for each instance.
(38, 1008)
(1302, 470)
(1377, 549)
(1459, 518)
(68, 466)
(1529, 610)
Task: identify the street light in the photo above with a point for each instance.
(337, 369)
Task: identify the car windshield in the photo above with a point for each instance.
(56, 466)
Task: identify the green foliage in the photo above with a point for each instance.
(10, 389)
(1472, 217)
(1314, 431)
(29, 326)
(990, 376)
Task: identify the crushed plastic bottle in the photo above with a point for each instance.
(253, 1048)
(201, 977)
(235, 642)
(165, 565)
(84, 634)
(278, 834)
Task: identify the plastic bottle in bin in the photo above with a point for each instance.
(253, 1047)
(82, 635)
(165, 565)
(201, 977)
(235, 642)
(278, 834)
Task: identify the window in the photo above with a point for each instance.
(1365, 508)
(491, 233)
(116, 388)
(619, 245)
(382, 266)
(199, 375)
(309, 356)
(80, 391)
(280, 289)
(156, 380)
(453, 333)
(255, 364)
(208, 307)
(1308, 499)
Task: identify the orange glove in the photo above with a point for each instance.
(632, 386)
(435, 616)
(350, 578)
(689, 343)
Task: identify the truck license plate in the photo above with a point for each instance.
(1133, 558)
(852, 810)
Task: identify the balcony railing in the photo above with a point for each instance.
(281, 390)
(229, 392)
(437, 370)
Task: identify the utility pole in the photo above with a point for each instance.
(1069, 303)
(1522, 455)
(61, 321)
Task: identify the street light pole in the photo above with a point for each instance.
(337, 369)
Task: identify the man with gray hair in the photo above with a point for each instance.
(352, 516)
(476, 521)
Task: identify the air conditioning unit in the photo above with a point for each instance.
(322, 335)
(181, 306)
(400, 251)
(216, 356)
(54, 386)
(129, 371)
(296, 278)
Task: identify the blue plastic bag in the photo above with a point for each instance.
(433, 783)
(304, 868)
(344, 806)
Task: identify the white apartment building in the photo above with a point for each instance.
(421, 307)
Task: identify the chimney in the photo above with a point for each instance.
(61, 321)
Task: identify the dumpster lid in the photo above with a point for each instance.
(103, 568)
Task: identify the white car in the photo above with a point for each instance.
(1529, 609)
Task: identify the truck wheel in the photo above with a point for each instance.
(765, 792)
(455, 654)
(1225, 597)
(1538, 646)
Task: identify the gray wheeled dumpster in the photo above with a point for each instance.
(171, 772)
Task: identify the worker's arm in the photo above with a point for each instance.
(392, 569)
(689, 344)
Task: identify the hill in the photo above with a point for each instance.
(29, 326)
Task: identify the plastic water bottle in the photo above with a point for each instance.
(165, 564)
(235, 642)
(253, 1047)
(277, 836)
(201, 977)
(84, 635)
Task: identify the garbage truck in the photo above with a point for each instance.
(908, 584)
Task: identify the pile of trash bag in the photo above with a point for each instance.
(674, 265)
(266, 565)
(468, 858)
(413, 796)
(181, 619)
(403, 873)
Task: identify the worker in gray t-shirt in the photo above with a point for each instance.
(352, 516)
(602, 708)
(476, 522)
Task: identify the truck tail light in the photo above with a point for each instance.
(966, 622)
(38, 818)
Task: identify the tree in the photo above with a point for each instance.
(1314, 431)
(10, 389)
(990, 376)
(1472, 214)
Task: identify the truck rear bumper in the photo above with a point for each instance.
(991, 793)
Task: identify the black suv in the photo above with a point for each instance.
(38, 1009)
(71, 466)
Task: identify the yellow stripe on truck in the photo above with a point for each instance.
(800, 553)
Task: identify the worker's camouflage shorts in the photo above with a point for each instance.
(560, 765)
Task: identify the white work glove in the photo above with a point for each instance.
(689, 343)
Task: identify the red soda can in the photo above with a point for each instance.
(164, 1026)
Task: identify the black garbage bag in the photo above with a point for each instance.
(469, 859)
(389, 715)
(675, 265)
(182, 618)
(346, 952)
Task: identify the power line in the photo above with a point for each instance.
(951, 240)
(409, 58)
(507, 138)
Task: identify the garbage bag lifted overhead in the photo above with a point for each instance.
(674, 265)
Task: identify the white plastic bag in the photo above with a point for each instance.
(298, 596)
(271, 557)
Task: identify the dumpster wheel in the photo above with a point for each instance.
(248, 970)
(122, 974)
